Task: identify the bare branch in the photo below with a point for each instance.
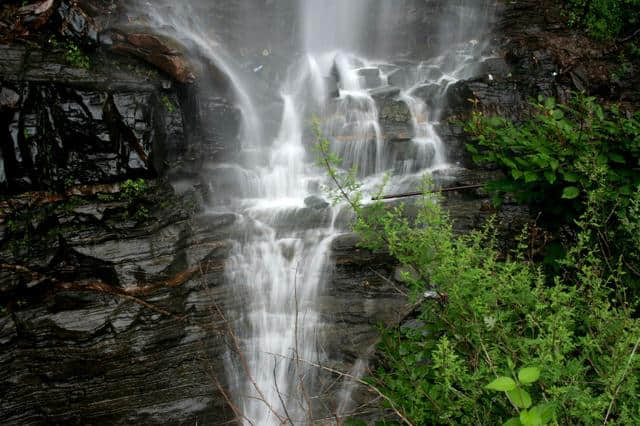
(357, 379)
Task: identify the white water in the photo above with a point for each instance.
(279, 265)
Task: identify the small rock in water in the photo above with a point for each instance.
(401, 78)
(371, 77)
(433, 73)
(333, 90)
(388, 92)
(315, 202)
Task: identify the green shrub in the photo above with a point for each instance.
(559, 159)
(605, 19)
(490, 316)
(551, 160)
(482, 317)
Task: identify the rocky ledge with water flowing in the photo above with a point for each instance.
(114, 280)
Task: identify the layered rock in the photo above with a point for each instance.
(63, 126)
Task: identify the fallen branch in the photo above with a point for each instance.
(433, 191)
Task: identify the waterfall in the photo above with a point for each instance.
(340, 61)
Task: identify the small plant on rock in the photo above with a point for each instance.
(76, 57)
(133, 189)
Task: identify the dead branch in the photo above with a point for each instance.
(432, 191)
(357, 379)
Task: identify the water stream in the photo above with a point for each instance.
(340, 68)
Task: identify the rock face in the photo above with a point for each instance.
(63, 126)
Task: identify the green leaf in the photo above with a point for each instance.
(472, 149)
(546, 411)
(570, 192)
(550, 176)
(557, 114)
(517, 174)
(514, 421)
(616, 158)
(570, 176)
(520, 398)
(554, 164)
(530, 418)
(529, 374)
(502, 384)
(530, 177)
(549, 103)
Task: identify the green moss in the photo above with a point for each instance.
(167, 104)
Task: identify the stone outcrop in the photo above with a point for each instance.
(63, 126)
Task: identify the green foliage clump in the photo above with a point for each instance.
(553, 159)
(563, 159)
(605, 19)
(491, 315)
(76, 57)
(134, 193)
(481, 316)
(168, 105)
(133, 189)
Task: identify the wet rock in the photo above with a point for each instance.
(496, 67)
(155, 51)
(430, 93)
(394, 114)
(332, 86)
(76, 25)
(67, 127)
(383, 93)
(8, 99)
(315, 202)
(432, 73)
(371, 77)
(400, 78)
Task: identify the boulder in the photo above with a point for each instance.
(430, 93)
(153, 50)
(402, 77)
(75, 24)
(370, 77)
(331, 83)
(384, 93)
(315, 202)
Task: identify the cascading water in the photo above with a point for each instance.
(278, 265)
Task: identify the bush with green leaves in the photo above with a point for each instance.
(480, 316)
(605, 19)
(557, 159)
(550, 158)
(133, 189)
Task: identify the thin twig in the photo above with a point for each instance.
(357, 379)
(275, 382)
(388, 281)
(626, 370)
